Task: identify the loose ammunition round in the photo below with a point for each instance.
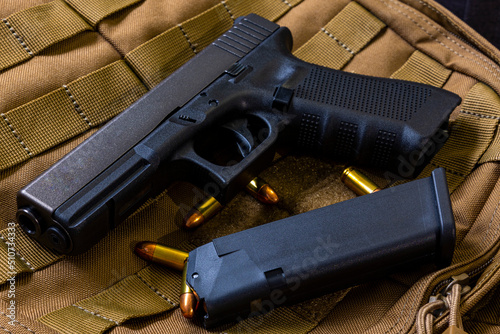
(157, 253)
(188, 301)
(259, 189)
(358, 182)
(201, 212)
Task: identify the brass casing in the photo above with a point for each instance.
(184, 286)
(188, 302)
(208, 207)
(170, 257)
(358, 182)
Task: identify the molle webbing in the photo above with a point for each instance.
(26, 33)
(473, 137)
(41, 124)
(150, 291)
(423, 69)
(334, 46)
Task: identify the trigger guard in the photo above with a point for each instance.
(227, 179)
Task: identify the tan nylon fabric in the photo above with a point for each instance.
(333, 46)
(103, 94)
(420, 68)
(304, 184)
(94, 10)
(12, 50)
(39, 27)
(31, 30)
(70, 110)
(45, 25)
(150, 61)
(34, 256)
(477, 119)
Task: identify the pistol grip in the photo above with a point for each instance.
(383, 123)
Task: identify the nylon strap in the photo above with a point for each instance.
(37, 28)
(95, 10)
(21, 253)
(423, 69)
(493, 152)
(41, 124)
(150, 291)
(26, 33)
(12, 49)
(106, 92)
(11, 264)
(472, 133)
(271, 9)
(158, 58)
(204, 28)
(334, 46)
(47, 24)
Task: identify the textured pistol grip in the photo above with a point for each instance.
(383, 123)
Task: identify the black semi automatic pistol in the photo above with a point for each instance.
(218, 119)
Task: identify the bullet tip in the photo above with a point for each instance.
(267, 195)
(188, 305)
(193, 219)
(145, 250)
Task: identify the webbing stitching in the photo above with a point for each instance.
(76, 105)
(489, 273)
(19, 38)
(29, 329)
(227, 9)
(447, 170)
(400, 315)
(187, 38)
(479, 115)
(96, 314)
(288, 4)
(489, 225)
(336, 40)
(16, 134)
(20, 256)
(453, 24)
(156, 291)
(410, 311)
(436, 40)
(6, 330)
(486, 60)
(440, 14)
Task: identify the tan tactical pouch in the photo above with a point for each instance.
(68, 66)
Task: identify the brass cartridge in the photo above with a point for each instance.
(167, 256)
(358, 182)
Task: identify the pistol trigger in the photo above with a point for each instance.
(243, 136)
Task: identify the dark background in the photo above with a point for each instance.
(482, 15)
